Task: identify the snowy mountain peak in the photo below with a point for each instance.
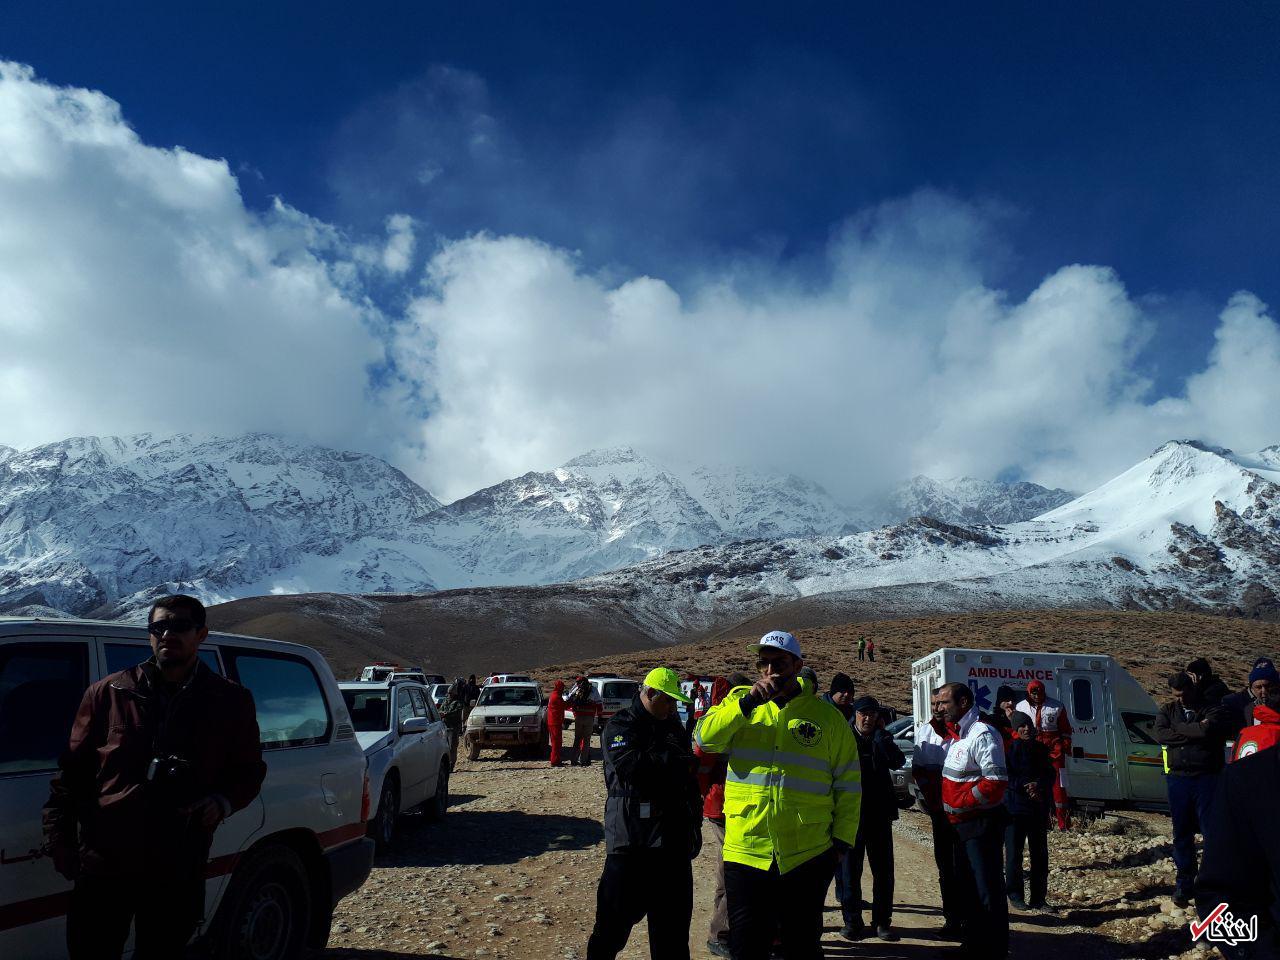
(1268, 456)
(967, 500)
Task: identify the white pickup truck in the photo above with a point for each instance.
(277, 867)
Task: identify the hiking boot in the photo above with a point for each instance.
(951, 931)
(718, 948)
(887, 935)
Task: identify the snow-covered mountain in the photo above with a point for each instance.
(968, 501)
(1191, 525)
(600, 511)
(89, 521)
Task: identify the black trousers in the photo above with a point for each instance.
(987, 933)
(1030, 830)
(653, 883)
(955, 881)
(164, 906)
(875, 843)
(764, 901)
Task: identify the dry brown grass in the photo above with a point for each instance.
(1149, 645)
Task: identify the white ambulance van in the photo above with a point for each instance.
(1114, 762)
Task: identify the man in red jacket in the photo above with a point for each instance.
(1054, 731)
(555, 722)
(159, 755)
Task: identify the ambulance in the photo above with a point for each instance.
(1115, 760)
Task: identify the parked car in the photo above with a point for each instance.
(384, 670)
(508, 678)
(407, 746)
(507, 716)
(615, 692)
(439, 691)
(277, 867)
(903, 731)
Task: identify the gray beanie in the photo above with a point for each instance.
(1018, 719)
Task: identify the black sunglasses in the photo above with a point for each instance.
(764, 662)
(172, 625)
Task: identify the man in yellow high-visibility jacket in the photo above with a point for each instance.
(792, 799)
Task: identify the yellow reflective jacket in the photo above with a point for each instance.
(794, 781)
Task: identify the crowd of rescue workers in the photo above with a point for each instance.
(793, 787)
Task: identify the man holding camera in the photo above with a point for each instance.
(159, 755)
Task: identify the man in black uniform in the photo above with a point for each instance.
(652, 824)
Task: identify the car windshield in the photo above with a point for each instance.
(509, 697)
(619, 689)
(369, 709)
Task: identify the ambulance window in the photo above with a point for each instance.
(1082, 698)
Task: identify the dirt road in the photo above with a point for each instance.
(511, 873)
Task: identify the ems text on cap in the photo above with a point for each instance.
(781, 640)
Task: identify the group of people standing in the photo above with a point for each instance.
(587, 708)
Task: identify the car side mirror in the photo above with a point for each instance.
(414, 725)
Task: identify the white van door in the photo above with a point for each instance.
(1092, 772)
(42, 680)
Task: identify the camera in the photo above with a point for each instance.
(171, 780)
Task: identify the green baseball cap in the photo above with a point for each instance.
(668, 681)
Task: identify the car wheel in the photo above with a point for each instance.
(437, 806)
(267, 908)
(383, 828)
(473, 749)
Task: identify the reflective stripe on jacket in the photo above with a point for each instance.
(1053, 729)
(974, 777)
(793, 782)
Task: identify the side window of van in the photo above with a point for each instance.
(41, 685)
(122, 656)
(1139, 726)
(292, 711)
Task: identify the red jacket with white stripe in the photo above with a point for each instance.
(1262, 735)
(1053, 729)
(974, 777)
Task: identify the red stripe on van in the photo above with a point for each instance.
(340, 835)
(34, 911)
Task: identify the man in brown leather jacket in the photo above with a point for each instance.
(159, 755)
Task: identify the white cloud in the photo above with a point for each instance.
(905, 360)
(138, 293)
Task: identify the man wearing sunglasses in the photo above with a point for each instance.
(159, 755)
(792, 802)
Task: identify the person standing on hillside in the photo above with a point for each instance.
(1193, 734)
(1031, 777)
(555, 722)
(792, 802)
(159, 755)
(587, 706)
(1054, 730)
(652, 824)
(862, 648)
(712, 768)
(473, 693)
(878, 755)
(1263, 731)
(871, 650)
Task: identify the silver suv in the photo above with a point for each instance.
(277, 867)
(407, 746)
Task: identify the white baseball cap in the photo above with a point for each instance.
(781, 640)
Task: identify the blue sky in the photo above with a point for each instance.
(688, 141)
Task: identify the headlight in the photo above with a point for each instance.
(475, 720)
(530, 721)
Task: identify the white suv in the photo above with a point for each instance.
(508, 716)
(277, 867)
(407, 746)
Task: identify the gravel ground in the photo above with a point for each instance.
(511, 873)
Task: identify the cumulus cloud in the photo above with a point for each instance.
(903, 361)
(137, 292)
